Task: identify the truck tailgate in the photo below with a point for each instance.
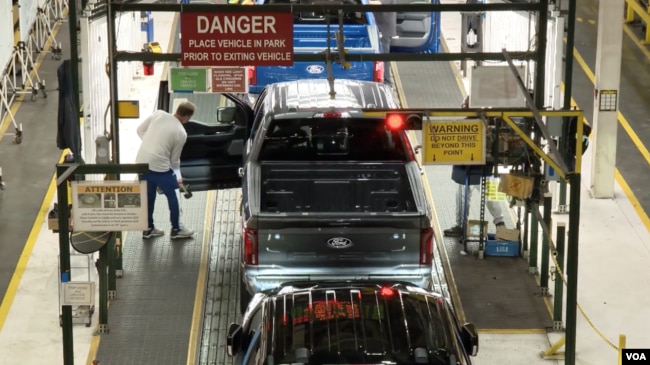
(336, 188)
(377, 247)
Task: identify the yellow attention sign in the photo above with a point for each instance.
(458, 142)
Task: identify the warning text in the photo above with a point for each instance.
(454, 142)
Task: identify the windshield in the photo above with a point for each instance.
(333, 139)
(359, 329)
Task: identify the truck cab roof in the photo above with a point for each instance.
(312, 94)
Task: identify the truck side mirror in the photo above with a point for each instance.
(226, 115)
(233, 340)
(469, 335)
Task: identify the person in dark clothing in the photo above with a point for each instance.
(387, 24)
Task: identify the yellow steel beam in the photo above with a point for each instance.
(540, 152)
(472, 113)
(506, 114)
(552, 353)
(622, 340)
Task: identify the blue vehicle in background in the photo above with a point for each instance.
(416, 33)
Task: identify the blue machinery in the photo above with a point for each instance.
(146, 25)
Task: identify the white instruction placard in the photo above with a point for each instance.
(78, 293)
(109, 206)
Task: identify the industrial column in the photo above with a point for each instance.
(606, 92)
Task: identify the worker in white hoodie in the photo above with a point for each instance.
(163, 138)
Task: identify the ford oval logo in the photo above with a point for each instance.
(315, 69)
(339, 242)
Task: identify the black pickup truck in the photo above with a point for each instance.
(328, 192)
(351, 323)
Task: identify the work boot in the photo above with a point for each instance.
(455, 231)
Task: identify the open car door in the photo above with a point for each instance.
(417, 32)
(216, 136)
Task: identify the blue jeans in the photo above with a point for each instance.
(168, 183)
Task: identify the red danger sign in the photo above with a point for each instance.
(236, 39)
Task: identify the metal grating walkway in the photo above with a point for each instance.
(221, 303)
(150, 320)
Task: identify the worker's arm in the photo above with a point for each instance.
(142, 128)
(176, 157)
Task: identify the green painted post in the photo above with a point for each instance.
(543, 278)
(559, 284)
(113, 87)
(534, 236)
(540, 70)
(119, 268)
(64, 263)
(103, 288)
(572, 270)
(574, 207)
(115, 145)
(110, 258)
(539, 103)
(525, 235)
(62, 197)
(74, 57)
(562, 198)
(568, 84)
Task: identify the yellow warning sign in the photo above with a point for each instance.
(457, 142)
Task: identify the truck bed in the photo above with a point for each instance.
(335, 188)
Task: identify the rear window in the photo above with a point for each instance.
(333, 139)
(351, 328)
(311, 17)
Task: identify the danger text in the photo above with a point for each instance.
(239, 24)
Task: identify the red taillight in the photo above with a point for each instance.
(386, 292)
(426, 246)
(252, 75)
(395, 122)
(250, 246)
(378, 76)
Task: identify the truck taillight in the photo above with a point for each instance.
(426, 246)
(395, 122)
(378, 75)
(252, 75)
(250, 246)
